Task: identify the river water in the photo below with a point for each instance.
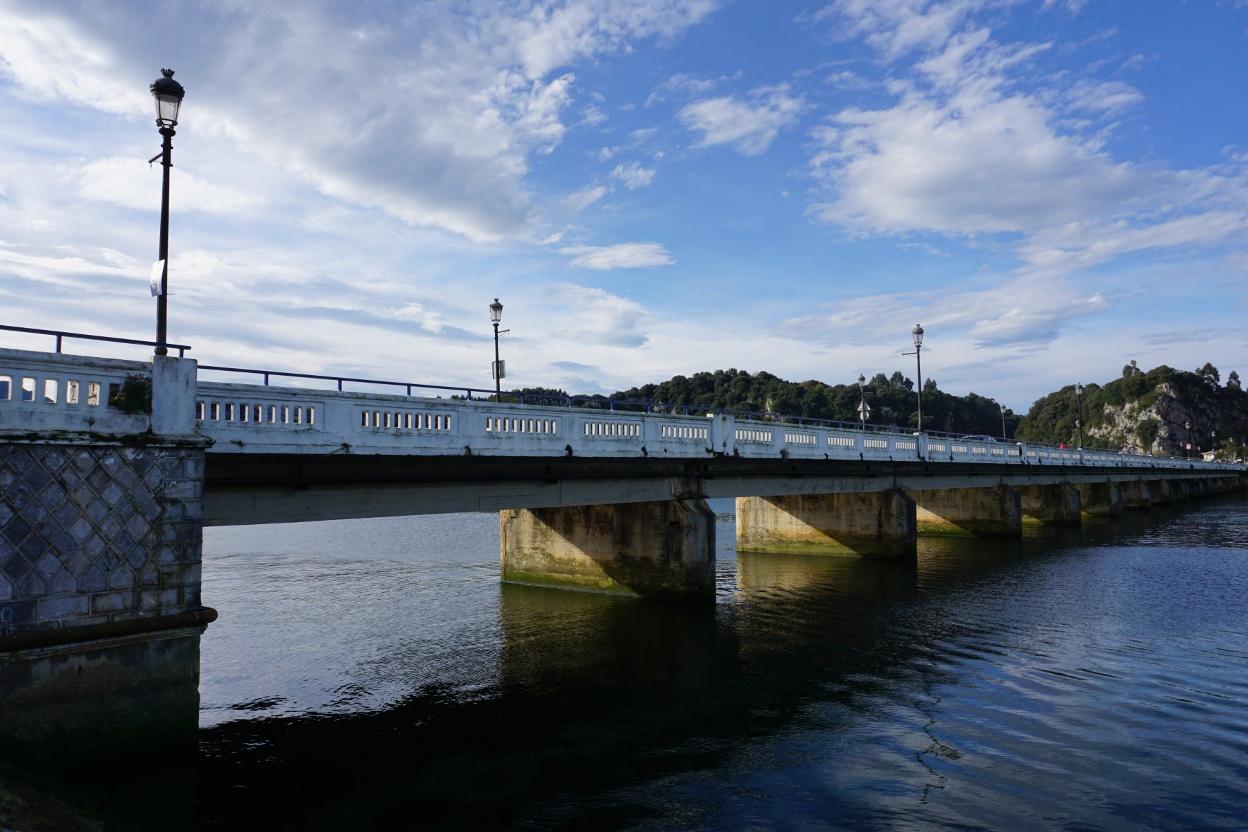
(375, 675)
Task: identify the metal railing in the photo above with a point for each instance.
(60, 335)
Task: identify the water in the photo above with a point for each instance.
(375, 675)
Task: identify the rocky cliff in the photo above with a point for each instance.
(1146, 411)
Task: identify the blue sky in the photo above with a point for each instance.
(652, 187)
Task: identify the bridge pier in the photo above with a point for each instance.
(101, 530)
(976, 512)
(652, 549)
(1163, 492)
(1051, 505)
(1137, 495)
(877, 524)
(100, 612)
(1100, 499)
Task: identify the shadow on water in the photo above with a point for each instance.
(624, 713)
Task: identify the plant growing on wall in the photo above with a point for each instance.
(134, 395)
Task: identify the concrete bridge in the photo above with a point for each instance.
(110, 469)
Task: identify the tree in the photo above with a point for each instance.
(1210, 374)
(1232, 381)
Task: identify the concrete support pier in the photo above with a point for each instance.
(875, 524)
(1100, 499)
(100, 612)
(1163, 492)
(973, 512)
(1051, 505)
(654, 549)
(1137, 495)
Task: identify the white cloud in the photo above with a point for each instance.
(582, 199)
(426, 319)
(595, 316)
(749, 125)
(131, 183)
(432, 116)
(633, 175)
(965, 151)
(620, 256)
(679, 84)
(899, 26)
(1108, 97)
(1017, 311)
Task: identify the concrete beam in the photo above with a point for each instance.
(1051, 505)
(972, 512)
(876, 524)
(655, 549)
(1100, 499)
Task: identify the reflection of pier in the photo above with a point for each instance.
(110, 469)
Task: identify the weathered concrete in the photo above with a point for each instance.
(100, 548)
(975, 512)
(108, 697)
(1100, 499)
(1162, 493)
(1137, 495)
(660, 549)
(1051, 505)
(874, 524)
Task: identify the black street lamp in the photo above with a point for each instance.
(168, 94)
(497, 370)
(917, 332)
(1187, 450)
(1079, 415)
(1213, 441)
(863, 410)
(1004, 438)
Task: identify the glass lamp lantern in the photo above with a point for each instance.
(168, 94)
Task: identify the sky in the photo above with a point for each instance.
(651, 187)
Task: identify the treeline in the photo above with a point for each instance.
(892, 400)
(1147, 410)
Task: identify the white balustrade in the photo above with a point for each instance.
(53, 392)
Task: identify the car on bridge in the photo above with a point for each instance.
(980, 438)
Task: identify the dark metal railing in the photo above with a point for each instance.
(60, 335)
(340, 380)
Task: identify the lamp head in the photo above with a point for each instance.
(496, 311)
(168, 94)
(917, 332)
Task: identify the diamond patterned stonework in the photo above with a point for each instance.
(91, 534)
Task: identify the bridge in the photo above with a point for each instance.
(110, 469)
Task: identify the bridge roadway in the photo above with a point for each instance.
(109, 471)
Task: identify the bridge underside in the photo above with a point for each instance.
(246, 489)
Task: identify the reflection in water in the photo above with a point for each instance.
(1092, 678)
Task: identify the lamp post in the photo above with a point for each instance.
(496, 315)
(168, 94)
(1079, 414)
(1003, 436)
(1187, 449)
(863, 410)
(917, 332)
(1213, 442)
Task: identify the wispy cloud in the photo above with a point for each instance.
(748, 125)
(633, 175)
(619, 256)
